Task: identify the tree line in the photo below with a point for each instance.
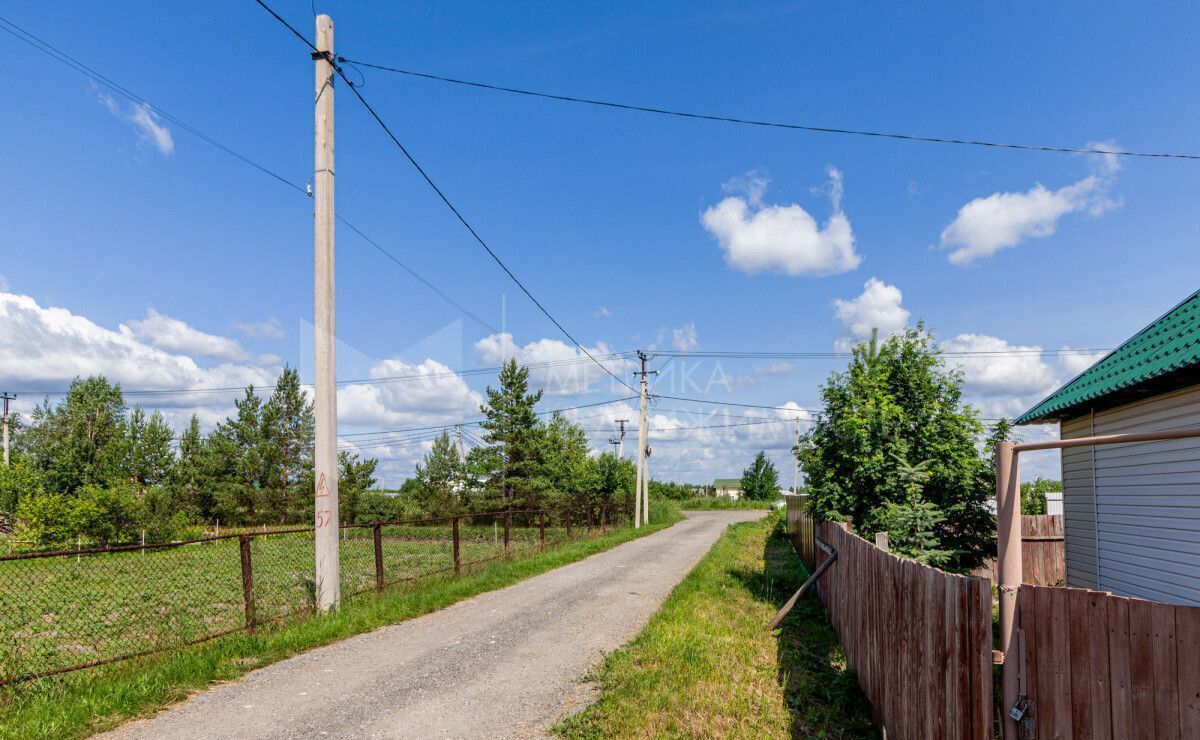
(92, 467)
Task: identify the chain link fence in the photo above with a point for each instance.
(67, 610)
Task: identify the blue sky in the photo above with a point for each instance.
(620, 222)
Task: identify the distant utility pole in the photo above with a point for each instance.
(796, 460)
(620, 440)
(325, 471)
(462, 454)
(641, 507)
(7, 397)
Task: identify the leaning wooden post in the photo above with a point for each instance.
(881, 541)
(247, 582)
(379, 556)
(1008, 556)
(457, 562)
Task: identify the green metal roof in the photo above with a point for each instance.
(727, 483)
(1169, 344)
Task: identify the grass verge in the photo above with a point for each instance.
(80, 704)
(714, 503)
(706, 666)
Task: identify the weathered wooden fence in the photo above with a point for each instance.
(1094, 665)
(919, 639)
(800, 527)
(1042, 549)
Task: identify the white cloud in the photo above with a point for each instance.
(775, 368)
(1075, 361)
(557, 368)
(602, 312)
(174, 335)
(986, 225)
(877, 307)
(272, 328)
(684, 338)
(781, 238)
(144, 120)
(43, 347)
(436, 395)
(1001, 378)
(147, 122)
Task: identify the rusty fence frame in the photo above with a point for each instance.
(1008, 544)
(593, 517)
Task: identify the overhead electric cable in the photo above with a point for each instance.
(658, 110)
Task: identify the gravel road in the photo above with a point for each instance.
(503, 664)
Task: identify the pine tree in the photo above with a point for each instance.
(187, 476)
(510, 429)
(148, 457)
(441, 477)
(760, 481)
(288, 434)
(234, 455)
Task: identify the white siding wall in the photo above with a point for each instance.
(1147, 502)
(1079, 523)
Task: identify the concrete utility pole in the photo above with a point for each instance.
(325, 473)
(7, 397)
(619, 441)
(641, 508)
(796, 460)
(462, 453)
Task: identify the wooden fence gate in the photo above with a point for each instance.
(1094, 665)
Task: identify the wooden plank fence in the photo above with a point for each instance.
(1042, 552)
(800, 527)
(1095, 665)
(919, 639)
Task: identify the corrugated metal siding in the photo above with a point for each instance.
(1079, 523)
(1147, 499)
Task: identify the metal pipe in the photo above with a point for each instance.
(1107, 439)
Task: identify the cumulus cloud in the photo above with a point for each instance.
(757, 237)
(44, 346)
(877, 307)
(1074, 361)
(174, 335)
(684, 338)
(556, 367)
(145, 121)
(430, 393)
(602, 312)
(999, 377)
(272, 328)
(986, 225)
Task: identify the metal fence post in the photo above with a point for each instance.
(247, 582)
(507, 527)
(379, 556)
(457, 564)
(542, 527)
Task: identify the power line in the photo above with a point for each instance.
(57, 54)
(444, 198)
(769, 124)
(731, 403)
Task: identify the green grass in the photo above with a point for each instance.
(711, 503)
(64, 611)
(706, 666)
(81, 703)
